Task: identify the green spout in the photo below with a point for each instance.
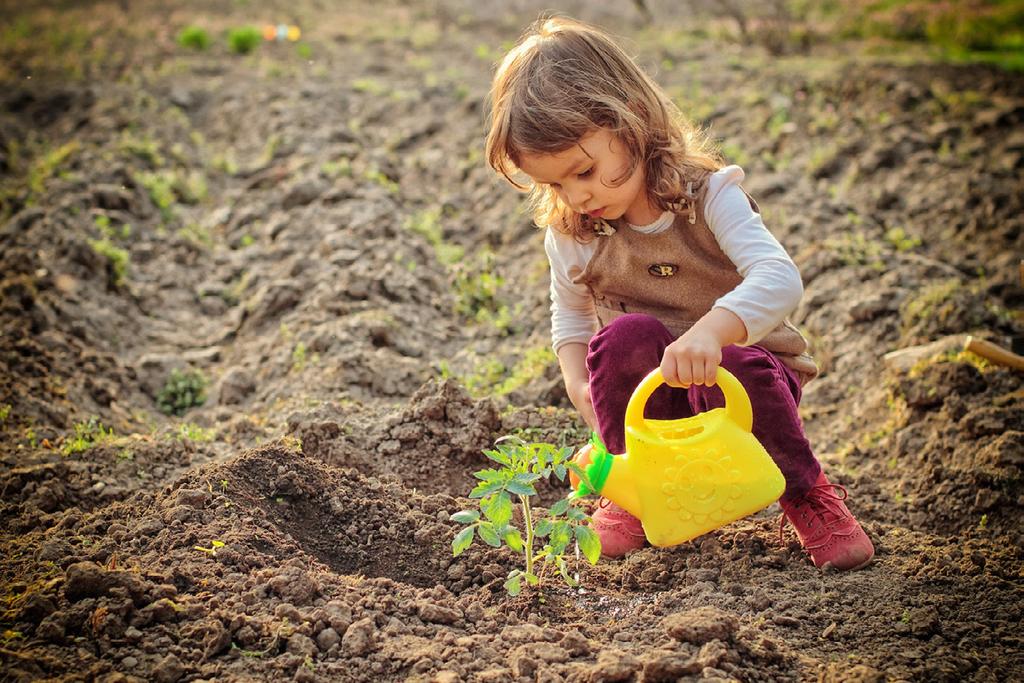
(598, 469)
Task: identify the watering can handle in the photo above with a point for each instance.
(737, 403)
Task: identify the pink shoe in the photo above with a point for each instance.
(827, 530)
(619, 531)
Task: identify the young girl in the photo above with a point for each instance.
(653, 244)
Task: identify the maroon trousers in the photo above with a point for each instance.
(627, 349)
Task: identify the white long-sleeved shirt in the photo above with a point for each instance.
(771, 287)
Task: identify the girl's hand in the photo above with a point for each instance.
(579, 394)
(692, 359)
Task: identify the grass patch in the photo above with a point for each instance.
(989, 31)
(87, 435)
(117, 260)
(856, 249)
(193, 432)
(244, 40)
(428, 224)
(45, 167)
(182, 391)
(194, 38)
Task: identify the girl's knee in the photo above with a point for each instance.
(752, 365)
(632, 339)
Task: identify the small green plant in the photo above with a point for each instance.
(212, 550)
(88, 434)
(304, 50)
(476, 289)
(376, 176)
(244, 40)
(194, 37)
(521, 465)
(428, 224)
(899, 239)
(369, 86)
(194, 432)
(117, 257)
(5, 411)
(160, 186)
(857, 249)
(300, 356)
(182, 391)
(45, 167)
(197, 235)
(342, 168)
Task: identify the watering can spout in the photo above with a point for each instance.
(610, 476)
(685, 477)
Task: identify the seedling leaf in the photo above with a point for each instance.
(489, 535)
(518, 488)
(560, 507)
(498, 508)
(462, 541)
(465, 516)
(514, 540)
(544, 527)
(589, 543)
(486, 488)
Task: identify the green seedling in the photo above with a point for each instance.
(5, 411)
(194, 37)
(244, 40)
(117, 258)
(87, 434)
(193, 432)
(212, 550)
(182, 391)
(522, 464)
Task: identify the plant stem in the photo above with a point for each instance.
(528, 522)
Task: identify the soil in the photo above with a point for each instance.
(296, 524)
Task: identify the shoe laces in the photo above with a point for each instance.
(822, 503)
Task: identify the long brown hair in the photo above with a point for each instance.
(564, 79)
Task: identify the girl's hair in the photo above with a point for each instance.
(564, 79)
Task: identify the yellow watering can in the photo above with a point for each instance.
(688, 476)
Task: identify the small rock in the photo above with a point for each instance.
(85, 580)
(437, 614)
(168, 670)
(327, 639)
(193, 498)
(301, 645)
(667, 665)
(523, 633)
(614, 665)
(358, 639)
(701, 625)
(51, 628)
(302, 193)
(924, 621)
(236, 385)
(576, 644)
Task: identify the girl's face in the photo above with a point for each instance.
(582, 176)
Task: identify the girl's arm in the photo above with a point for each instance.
(770, 290)
(572, 359)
